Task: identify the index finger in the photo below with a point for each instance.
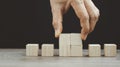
(82, 14)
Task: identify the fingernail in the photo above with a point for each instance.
(83, 36)
(57, 33)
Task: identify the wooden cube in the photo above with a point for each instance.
(94, 50)
(32, 49)
(64, 45)
(76, 39)
(48, 50)
(76, 50)
(110, 49)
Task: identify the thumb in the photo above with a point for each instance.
(57, 23)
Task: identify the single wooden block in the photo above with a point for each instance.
(110, 49)
(32, 49)
(76, 50)
(64, 44)
(76, 39)
(48, 50)
(94, 50)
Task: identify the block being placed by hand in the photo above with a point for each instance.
(94, 50)
(76, 50)
(76, 39)
(110, 49)
(48, 50)
(64, 44)
(32, 49)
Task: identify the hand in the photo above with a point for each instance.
(85, 10)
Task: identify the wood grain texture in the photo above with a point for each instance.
(76, 50)
(110, 49)
(47, 49)
(94, 50)
(32, 49)
(64, 44)
(76, 39)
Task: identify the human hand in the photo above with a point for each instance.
(85, 10)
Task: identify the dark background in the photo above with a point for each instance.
(30, 21)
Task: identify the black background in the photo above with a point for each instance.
(30, 21)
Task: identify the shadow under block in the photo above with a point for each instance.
(76, 39)
(94, 50)
(64, 45)
(48, 50)
(110, 49)
(32, 49)
(76, 50)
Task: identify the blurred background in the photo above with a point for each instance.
(30, 21)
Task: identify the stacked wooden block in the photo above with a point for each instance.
(64, 45)
(70, 45)
(76, 44)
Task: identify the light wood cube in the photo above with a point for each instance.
(110, 49)
(76, 39)
(64, 45)
(77, 50)
(94, 50)
(48, 50)
(32, 49)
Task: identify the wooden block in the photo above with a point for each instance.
(76, 50)
(76, 39)
(64, 45)
(94, 50)
(32, 49)
(48, 50)
(110, 49)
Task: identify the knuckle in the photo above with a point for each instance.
(98, 10)
(94, 16)
(98, 13)
(85, 17)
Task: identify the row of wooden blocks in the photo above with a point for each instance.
(48, 50)
(33, 50)
(109, 50)
(70, 45)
